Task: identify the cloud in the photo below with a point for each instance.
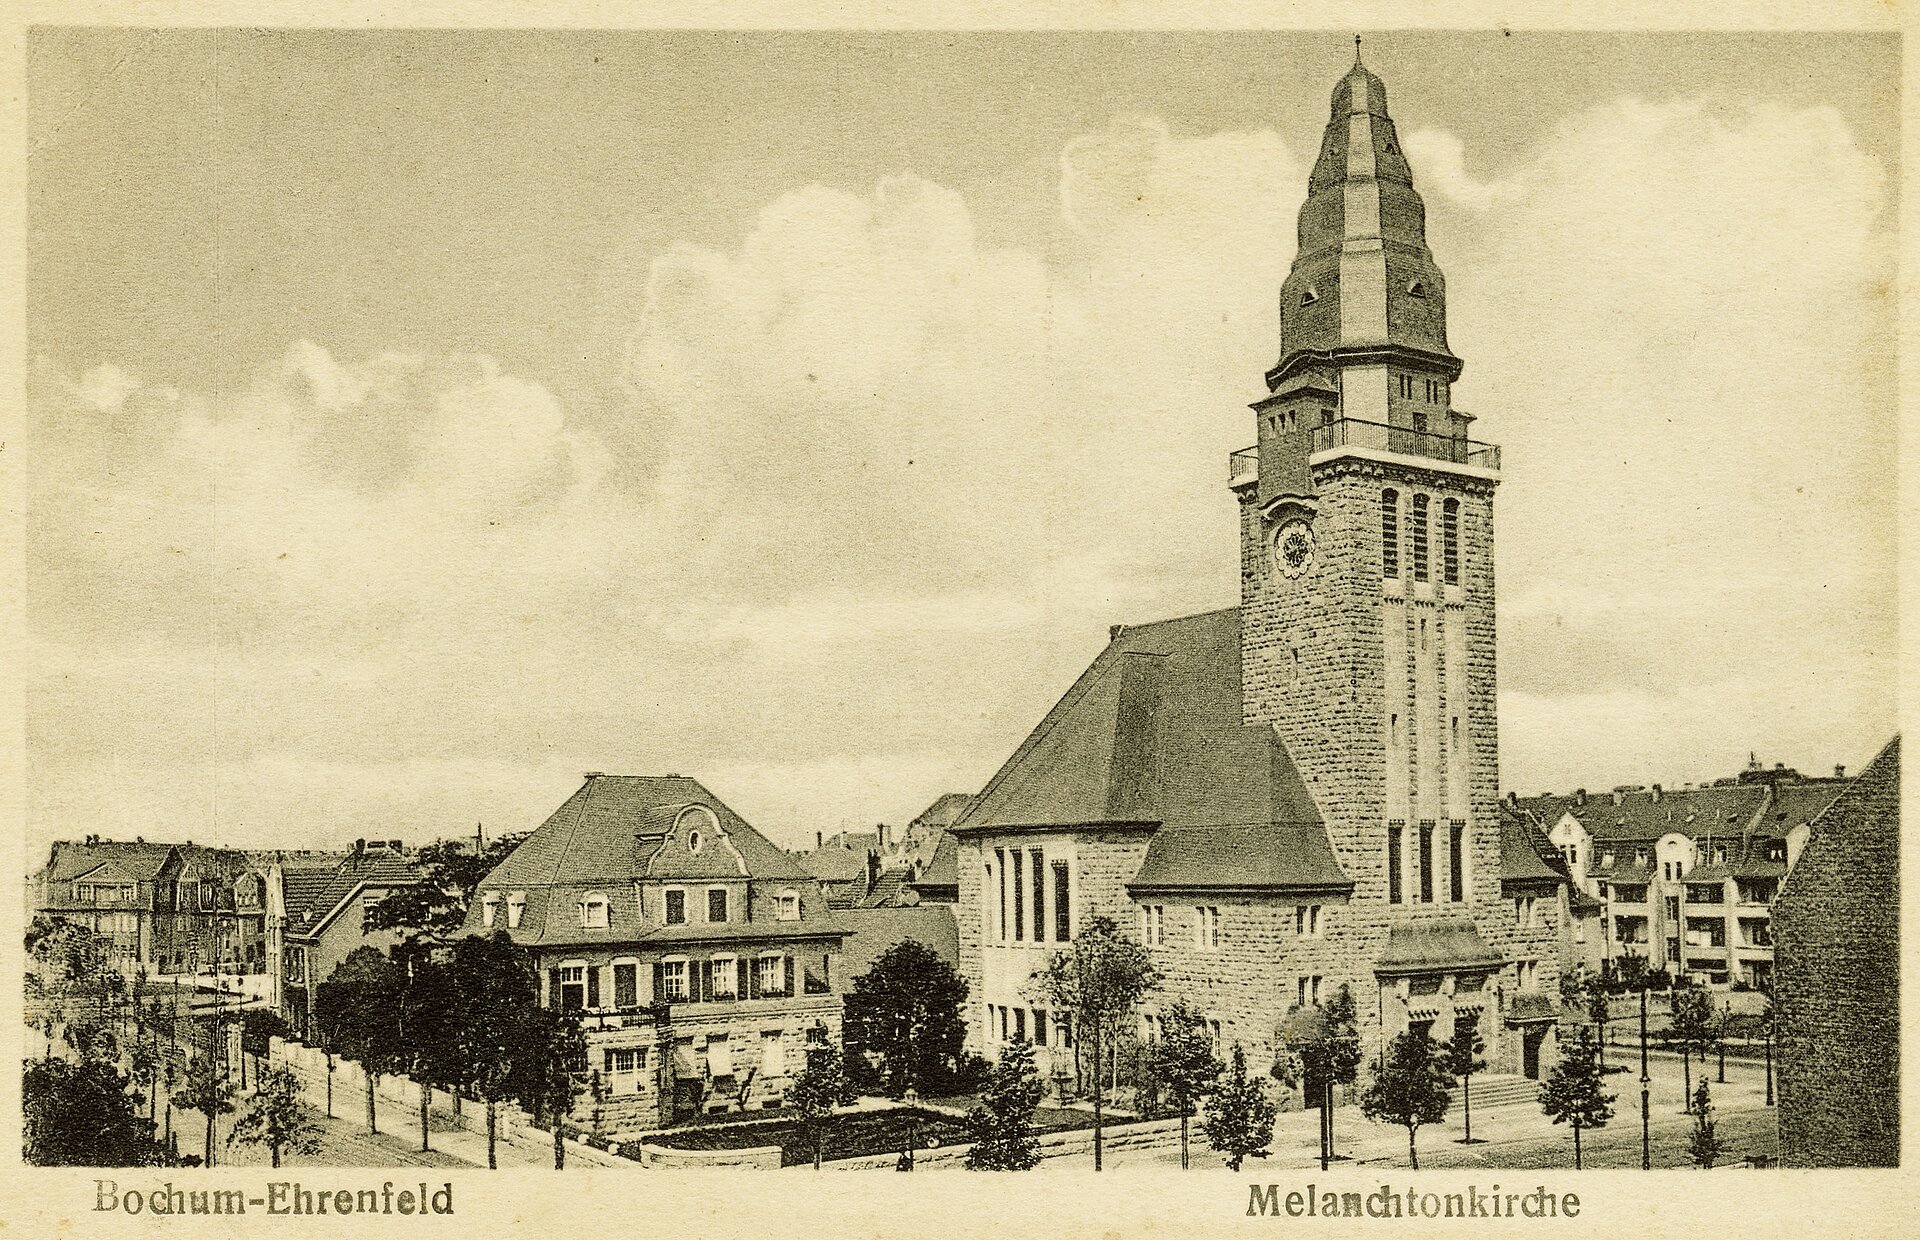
(878, 488)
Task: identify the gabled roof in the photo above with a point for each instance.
(945, 811)
(887, 889)
(1795, 804)
(322, 895)
(140, 861)
(1526, 854)
(610, 829)
(1725, 811)
(943, 870)
(833, 864)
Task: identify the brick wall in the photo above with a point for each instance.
(1837, 981)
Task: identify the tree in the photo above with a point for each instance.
(1320, 1048)
(815, 1093)
(80, 1114)
(357, 1005)
(903, 1022)
(1412, 1087)
(437, 906)
(1690, 1023)
(275, 1117)
(143, 1071)
(1183, 1064)
(1097, 982)
(1240, 1115)
(546, 1078)
(258, 1028)
(1705, 1146)
(1599, 1002)
(496, 1022)
(1004, 1136)
(208, 1090)
(1572, 1094)
(1463, 1060)
(77, 985)
(431, 1007)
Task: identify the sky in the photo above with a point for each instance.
(417, 421)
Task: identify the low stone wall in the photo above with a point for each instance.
(1149, 1135)
(761, 1157)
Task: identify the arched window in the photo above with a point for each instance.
(1450, 541)
(787, 905)
(1390, 533)
(1419, 516)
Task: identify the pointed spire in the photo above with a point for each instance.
(1356, 50)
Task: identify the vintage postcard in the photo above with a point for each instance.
(1074, 620)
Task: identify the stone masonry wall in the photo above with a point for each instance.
(1837, 981)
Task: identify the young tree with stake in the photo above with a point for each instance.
(1004, 1137)
(1183, 1063)
(275, 1117)
(208, 1091)
(1240, 1115)
(1573, 1094)
(816, 1093)
(1704, 1144)
(1463, 1060)
(1411, 1088)
(1099, 980)
(1690, 1023)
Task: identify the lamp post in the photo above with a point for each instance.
(1726, 1015)
(1646, 1149)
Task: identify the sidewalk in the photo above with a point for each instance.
(1515, 1135)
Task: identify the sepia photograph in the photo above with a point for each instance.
(1295, 608)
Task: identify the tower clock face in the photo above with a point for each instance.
(1293, 548)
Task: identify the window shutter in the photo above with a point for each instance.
(696, 981)
(593, 985)
(753, 978)
(553, 988)
(659, 982)
(788, 988)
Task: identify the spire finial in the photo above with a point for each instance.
(1356, 49)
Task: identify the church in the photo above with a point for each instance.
(1299, 794)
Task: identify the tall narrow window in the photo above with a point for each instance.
(1457, 861)
(1390, 533)
(1419, 518)
(1426, 862)
(1062, 903)
(1395, 835)
(1450, 541)
(1019, 896)
(1039, 896)
(1001, 855)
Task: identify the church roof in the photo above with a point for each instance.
(1150, 736)
(1440, 943)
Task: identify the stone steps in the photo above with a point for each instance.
(1492, 1090)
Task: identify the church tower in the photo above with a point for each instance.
(1367, 621)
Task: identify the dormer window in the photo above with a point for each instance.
(1417, 288)
(1309, 295)
(489, 909)
(516, 909)
(787, 906)
(593, 912)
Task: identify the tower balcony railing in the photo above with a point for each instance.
(1244, 465)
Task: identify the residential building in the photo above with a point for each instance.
(1299, 794)
(1837, 986)
(170, 909)
(317, 917)
(702, 958)
(111, 888)
(1687, 876)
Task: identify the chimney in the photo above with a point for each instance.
(359, 847)
(873, 868)
(1114, 631)
(1656, 794)
(1513, 800)
(819, 839)
(1618, 796)
(1839, 772)
(1580, 796)
(395, 846)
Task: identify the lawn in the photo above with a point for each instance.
(853, 1134)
